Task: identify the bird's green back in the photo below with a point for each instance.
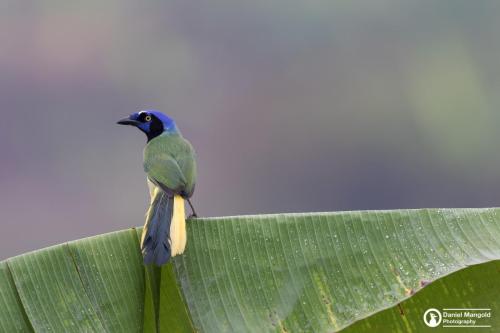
(170, 160)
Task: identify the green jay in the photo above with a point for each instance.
(170, 165)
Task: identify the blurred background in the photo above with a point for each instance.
(293, 106)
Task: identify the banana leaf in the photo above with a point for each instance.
(315, 272)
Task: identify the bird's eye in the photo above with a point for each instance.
(147, 118)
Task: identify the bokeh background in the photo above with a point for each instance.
(293, 106)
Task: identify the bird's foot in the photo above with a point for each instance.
(192, 216)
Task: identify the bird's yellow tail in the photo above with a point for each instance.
(178, 227)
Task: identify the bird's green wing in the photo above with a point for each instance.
(187, 163)
(169, 160)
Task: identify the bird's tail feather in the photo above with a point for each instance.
(164, 233)
(178, 227)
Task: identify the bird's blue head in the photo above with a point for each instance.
(152, 123)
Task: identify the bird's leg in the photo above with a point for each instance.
(192, 209)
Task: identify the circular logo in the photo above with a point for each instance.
(432, 317)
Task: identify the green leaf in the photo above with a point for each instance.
(166, 309)
(90, 285)
(292, 272)
(323, 272)
(474, 287)
(12, 315)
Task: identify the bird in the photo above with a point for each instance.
(170, 165)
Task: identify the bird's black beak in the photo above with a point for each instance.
(128, 121)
